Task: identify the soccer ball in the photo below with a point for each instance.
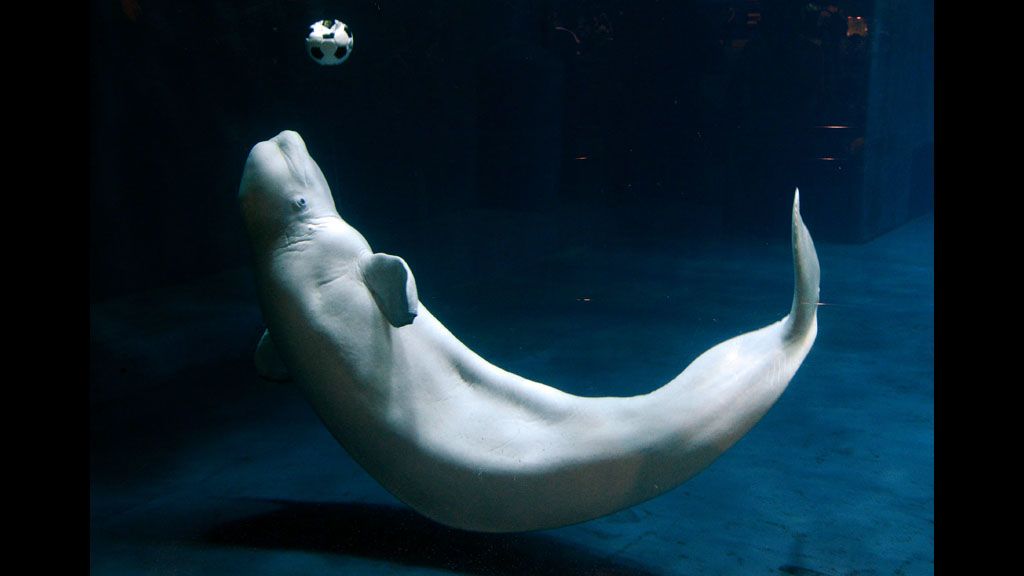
(329, 42)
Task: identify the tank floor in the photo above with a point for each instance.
(199, 467)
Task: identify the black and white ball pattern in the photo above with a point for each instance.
(329, 42)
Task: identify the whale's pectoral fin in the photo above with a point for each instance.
(268, 362)
(393, 287)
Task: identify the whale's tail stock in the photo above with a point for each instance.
(807, 277)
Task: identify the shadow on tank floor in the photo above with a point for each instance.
(198, 466)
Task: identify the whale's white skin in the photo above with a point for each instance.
(458, 439)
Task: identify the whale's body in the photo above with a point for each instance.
(458, 439)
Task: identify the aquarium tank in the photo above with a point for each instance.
(502, 287)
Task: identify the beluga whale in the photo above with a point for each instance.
(456, 438)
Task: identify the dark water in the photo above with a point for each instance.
(590, 194)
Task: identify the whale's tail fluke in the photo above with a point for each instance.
(807, 273)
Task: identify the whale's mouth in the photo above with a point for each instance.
(282, 186)
(278, 165)
(296, 157)
(279, 171)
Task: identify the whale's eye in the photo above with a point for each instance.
(299, 204)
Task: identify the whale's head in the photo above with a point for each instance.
(282, 186)
(290, 216)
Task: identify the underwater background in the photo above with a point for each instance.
(590, 194)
